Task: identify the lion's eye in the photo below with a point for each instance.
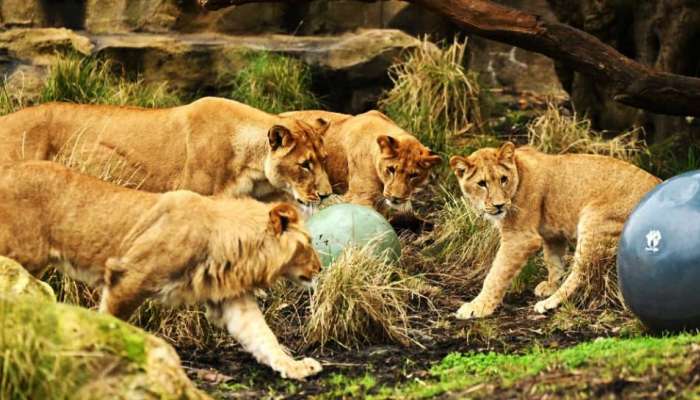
(414, 175)
(504, 180)
(390, 170)
(482, 183)
(306, 165)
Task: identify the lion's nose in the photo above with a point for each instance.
(324, 196)
(499, 207)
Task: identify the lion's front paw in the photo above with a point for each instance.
(546, 305)
(300, 369)
(473, 309)
(545, 288)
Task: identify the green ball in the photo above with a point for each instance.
(339, 226)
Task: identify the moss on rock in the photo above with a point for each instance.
(59, 351)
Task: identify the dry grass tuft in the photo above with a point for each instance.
(462, 240)
(434, 96)
(600, 288)
(11, 100)
(360, 300)
(557, 133)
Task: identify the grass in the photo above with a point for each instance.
(463, 243)
(274, 83)
(572, 372)
(10, 101)
(434, 96)
(89, 80)
(555, 132)
(361, 299)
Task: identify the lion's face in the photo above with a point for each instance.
(489, 179)
(404, 167)
(295, 161)
(304, 264)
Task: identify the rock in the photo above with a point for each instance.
(352, 66)
(203, 62)
(62, 351)
(129, 16)
(16, 281)
(39, 46)
(507, 67)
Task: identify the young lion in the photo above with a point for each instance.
(539, 200)
(177, 247)
(370, 159)
(210, 146)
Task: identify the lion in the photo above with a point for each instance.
(177, 248)
(370, 160)
(546, 201)
(211, 146)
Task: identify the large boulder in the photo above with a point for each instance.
(51, 350)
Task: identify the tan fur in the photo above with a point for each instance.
(210, 146)
(370, 159)
(540, 200)
(177, 247)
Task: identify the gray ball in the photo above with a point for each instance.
(658, 259)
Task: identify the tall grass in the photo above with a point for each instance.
(434, 96)
(274, 83)
(463, 241)
(360, 300)
(555, 132)
(10, 101)
(89, 80)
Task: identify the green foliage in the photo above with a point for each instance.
(434, 96)
(8, 102)
(671, 157)
(89, 80)
(274, 83)
(600, 358)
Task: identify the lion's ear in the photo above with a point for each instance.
(506, 152)
(279, 136)
(431, 160)
(388, 145)
(322, 126)
(282, 216)
(459, 165)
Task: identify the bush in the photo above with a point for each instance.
(274, 83)
(89, 80)
(434, 97)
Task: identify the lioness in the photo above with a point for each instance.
(539, 200)
(370, 160)
(210, 146)
(178, 247)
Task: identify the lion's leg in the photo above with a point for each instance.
(245, 322)
(554, 251)
(515, 249)
(597, 236)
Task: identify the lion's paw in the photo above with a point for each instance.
(545, 288)
(545, 305)
(473, 310)
(300, 369)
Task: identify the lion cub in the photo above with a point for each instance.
(178, 247)
(544, 201)
(370, 160)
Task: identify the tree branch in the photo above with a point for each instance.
(633, 83)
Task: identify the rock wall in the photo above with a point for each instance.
(175, 40)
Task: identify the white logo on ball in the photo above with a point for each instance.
(653, 240)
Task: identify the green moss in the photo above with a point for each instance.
(603, 358)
